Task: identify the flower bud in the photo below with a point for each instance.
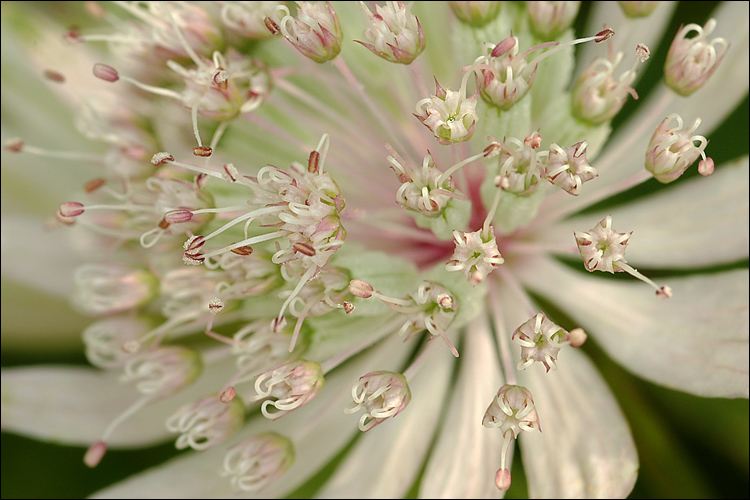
(476, 14)
(206, 422)
(450, 115)
(111, 288)
(550, 19)
(315, 32)
(258, 461)
(383, 395)
(512, 409)
(638, 9)
(163, 371)
(393, 33)
(292, 384)
(105, 339)
(691, 61)
(672, 150)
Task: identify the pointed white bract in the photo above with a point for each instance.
(672, 150)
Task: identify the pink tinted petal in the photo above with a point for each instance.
(318, 433)
(466, 455)
(585, 449)
(394, 452)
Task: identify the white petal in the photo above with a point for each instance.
(467, 454)
(74, 405)
(697, 223)
(34, 257)
(624, 156)
(392, 454)
(697, 341)
(59, 328)
(318, 430)
(585, 449)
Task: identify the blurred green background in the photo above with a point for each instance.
(689, 447)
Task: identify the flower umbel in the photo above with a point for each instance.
(246, 253)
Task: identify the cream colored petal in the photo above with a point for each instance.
(585, 449)
(74, 405)
(392, 454)
(319, 430)
(697, 223)
(696, 342)
(34, 257)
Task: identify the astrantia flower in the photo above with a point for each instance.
(241, 242)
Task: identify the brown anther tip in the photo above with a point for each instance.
(71, 209)
(227, 395)
(313, 161)
(54, 76)
(244, 250)
(304, 249)
(94, 184)
(161, 158)
(14, 145)
(163, 224)
(203, 151)
(72, 36)
(604, 34)
(216, 305)
(106, 72)
(272, 26)
(348, 307)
